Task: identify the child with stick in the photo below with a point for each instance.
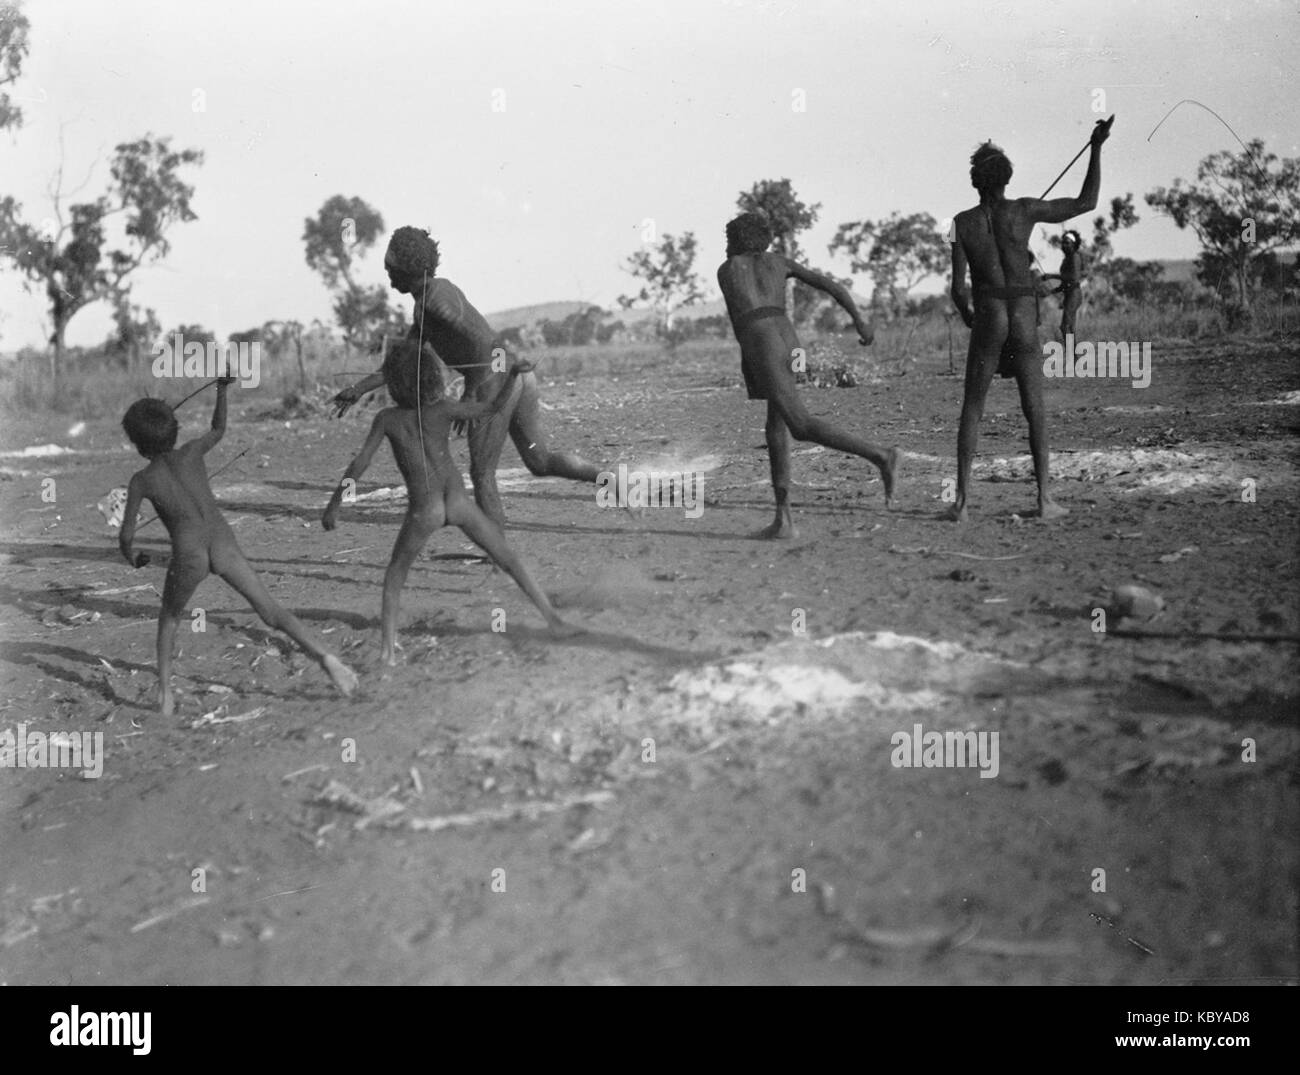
(417, 429)
(176, 483)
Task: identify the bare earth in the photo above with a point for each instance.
(772, 750)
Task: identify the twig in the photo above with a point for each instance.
(162, 916)
(925, 550)
(530, 811)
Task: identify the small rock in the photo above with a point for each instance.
(1136, 601)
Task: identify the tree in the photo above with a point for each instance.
(13, 51)
(136, 328)
(344, 230)
(787, 215)
(279, 336)
(1241, 208)
(671, 281)
(66, 254)
(897, 253)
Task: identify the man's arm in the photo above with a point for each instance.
(342, 402)
(460, 410)
(835, 290)
(960, 293)
(213, 436)
(359, 465)
(1059, 210)
(126, 538)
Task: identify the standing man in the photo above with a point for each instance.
(753, 285)
(993, 240)
(1071, 276)
(466, 343)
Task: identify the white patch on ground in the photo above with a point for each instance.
(1143, 408)
(1289, 399)
(880, 673)
(38, 451)
(1142, 470)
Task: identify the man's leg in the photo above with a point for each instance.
(987, 340)
(526, 431)
(187, 569)
(416, 528)
(1029, 380)
(784, 396)
(1069, 308)
(487, 436)
(488, 536)
(778, 457)
(230, 565)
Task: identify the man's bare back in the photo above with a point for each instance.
(992, 242)
(444, 319)
(753, 284)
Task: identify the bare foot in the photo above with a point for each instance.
(1050, 509)
(889, 472)
(955, 514)
(166, 703)
(563, 629)
(781, 530)
(344, 678)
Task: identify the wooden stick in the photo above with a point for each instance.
(1101, 122)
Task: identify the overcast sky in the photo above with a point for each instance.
(614, 113)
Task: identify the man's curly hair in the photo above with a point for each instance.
(1075, 236)
(151, 424)
(989, 168)
(412, 251)
(748, 233)
(399, 374)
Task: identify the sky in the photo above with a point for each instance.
(535, 140)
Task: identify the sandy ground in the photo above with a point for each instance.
(500, 819)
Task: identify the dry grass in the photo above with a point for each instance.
(92, 388)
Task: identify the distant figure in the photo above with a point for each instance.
(993, 240)
(176, 483)
(753, 284)
(466, 343)
(417, 430)
(1071, 276)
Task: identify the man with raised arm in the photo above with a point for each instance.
(992, 239)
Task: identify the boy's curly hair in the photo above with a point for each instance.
(412, 251)
(1075, 237)
(400, 372)
(748, 233)
(151, 424)
(989, 168)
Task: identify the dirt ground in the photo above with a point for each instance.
(502, 822)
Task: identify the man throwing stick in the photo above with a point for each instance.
(753, 285)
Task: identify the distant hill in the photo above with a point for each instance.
(558, 311)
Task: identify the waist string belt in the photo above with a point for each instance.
(759, 313)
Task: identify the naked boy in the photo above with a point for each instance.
(417, 430)
(176, 483)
